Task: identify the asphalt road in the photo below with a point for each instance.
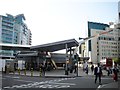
(17, 82)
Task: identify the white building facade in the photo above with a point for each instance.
(106, 45)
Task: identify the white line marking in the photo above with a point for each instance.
(99, 86)
(44, 84)
(6, 87)
(15, 77)
(64, 83)
(11, 77)
(23, 80)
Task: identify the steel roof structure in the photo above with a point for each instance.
(55, 46)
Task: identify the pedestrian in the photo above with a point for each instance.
(98, 73)
(108, 71)
(44, 68)
(86, 69)
(5, 68)
(92, 68)
(75, 68)
(115, 73)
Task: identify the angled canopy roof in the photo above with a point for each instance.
(55, 46)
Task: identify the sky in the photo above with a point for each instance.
(56, 20)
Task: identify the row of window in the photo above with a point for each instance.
(7, 39)
(115, 47)
(6, 19)
(7, 31)
(110, 43)
(6, 26)
(7, 23)
(104, 57)
(106, 38)
(108, 50)
(6, 42)
(6, 34)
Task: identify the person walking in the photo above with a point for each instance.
(75, 68)
(108, 71)
(92, 68)
(115, 73)
(98, 73)
(86, 70)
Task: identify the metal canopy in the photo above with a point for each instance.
(6, 57)
(51, 47)
(14, 47)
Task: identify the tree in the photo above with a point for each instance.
(116, 60)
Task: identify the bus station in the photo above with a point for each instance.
(31, 57)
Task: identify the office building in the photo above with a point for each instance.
(13, 30)
(104, 46)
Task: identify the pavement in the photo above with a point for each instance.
(54, 73)
(61, 73)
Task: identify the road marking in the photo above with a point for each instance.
(99, 86)
(103, 86)
(16, 77)
(65, 83)
(101, 78)
(23, 80)
(12, 77)
(44, 84)
(7, 76)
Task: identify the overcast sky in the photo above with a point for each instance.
(56, 20)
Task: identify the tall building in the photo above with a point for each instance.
(13, 30)
(92, 26)
(95, 25)
(103, 46)
(119, 11)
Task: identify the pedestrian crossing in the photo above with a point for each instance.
(56, 83)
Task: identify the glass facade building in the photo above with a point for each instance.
(13, 30)
(95, 25)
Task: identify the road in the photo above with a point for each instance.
(15, 81)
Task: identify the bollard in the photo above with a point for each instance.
(19, 71)
(25, 71)
(31, 72)
(40, 72)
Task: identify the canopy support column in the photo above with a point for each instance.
(66, 66)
